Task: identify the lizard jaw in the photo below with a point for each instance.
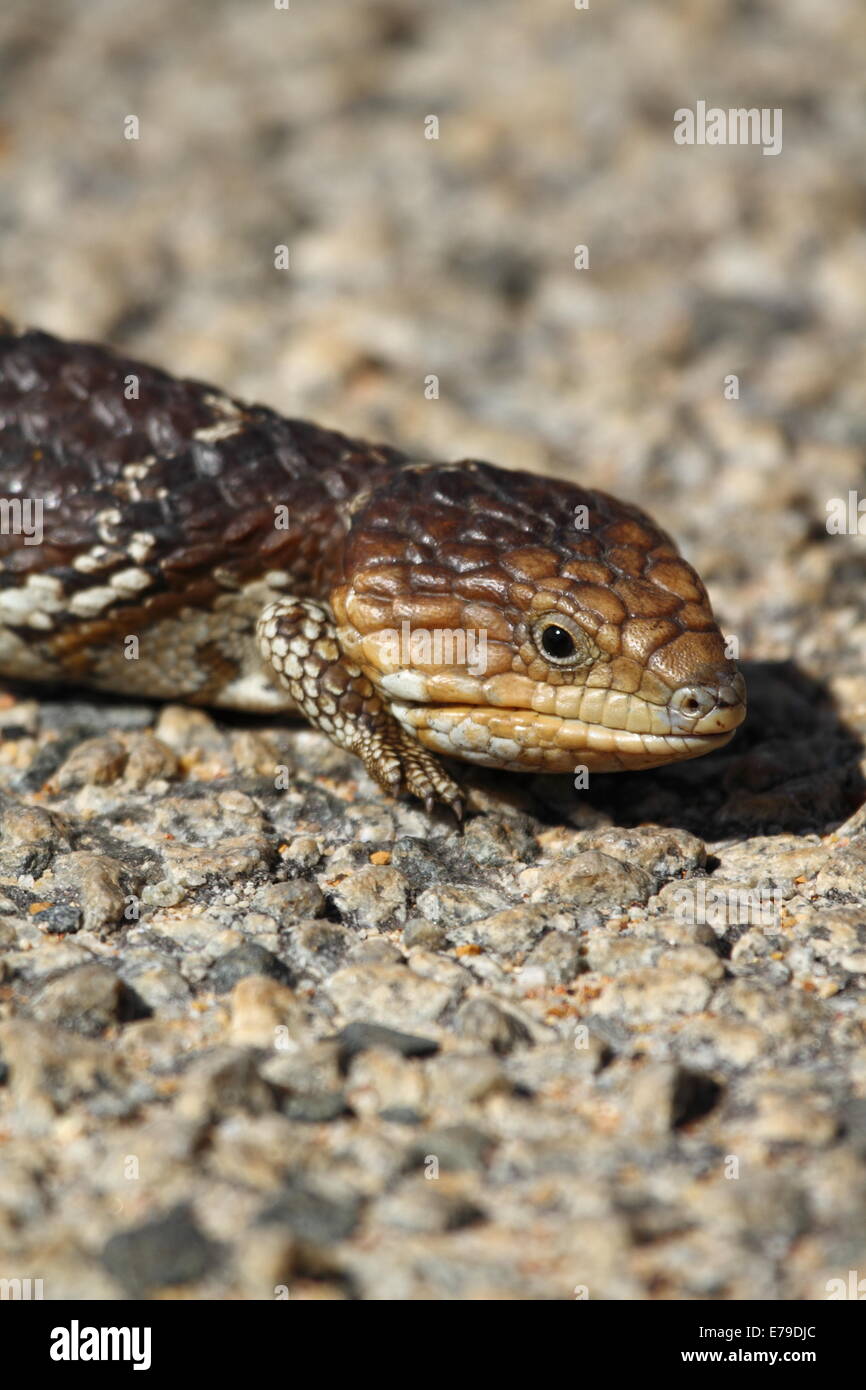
(520, 740)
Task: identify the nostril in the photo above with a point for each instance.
(692, 701)
(710, 708)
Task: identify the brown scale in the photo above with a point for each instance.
(373, 540)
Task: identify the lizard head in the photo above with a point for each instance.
(523, 622)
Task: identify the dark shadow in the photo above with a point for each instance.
(793, 766)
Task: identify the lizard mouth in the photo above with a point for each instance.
(520, 740)
(502, 725)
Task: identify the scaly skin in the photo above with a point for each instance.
(195, 548)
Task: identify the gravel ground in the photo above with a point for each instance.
(607, 1043)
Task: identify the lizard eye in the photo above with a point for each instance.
(557, 642)
(560, 641)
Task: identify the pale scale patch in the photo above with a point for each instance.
(505, 748)
(223, 405)
(89, 603)
(135, 473)
(98, 557)
(168, 666)
(404, 685)
(105, 522)
(140, 545)
(253, 690)
(130, 582)
(31, 604)
(221, 429)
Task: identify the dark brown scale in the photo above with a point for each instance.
(416, 540)
(69, 437)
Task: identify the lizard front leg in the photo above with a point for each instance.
(298, 642)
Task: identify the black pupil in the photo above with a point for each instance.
(557, 642)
